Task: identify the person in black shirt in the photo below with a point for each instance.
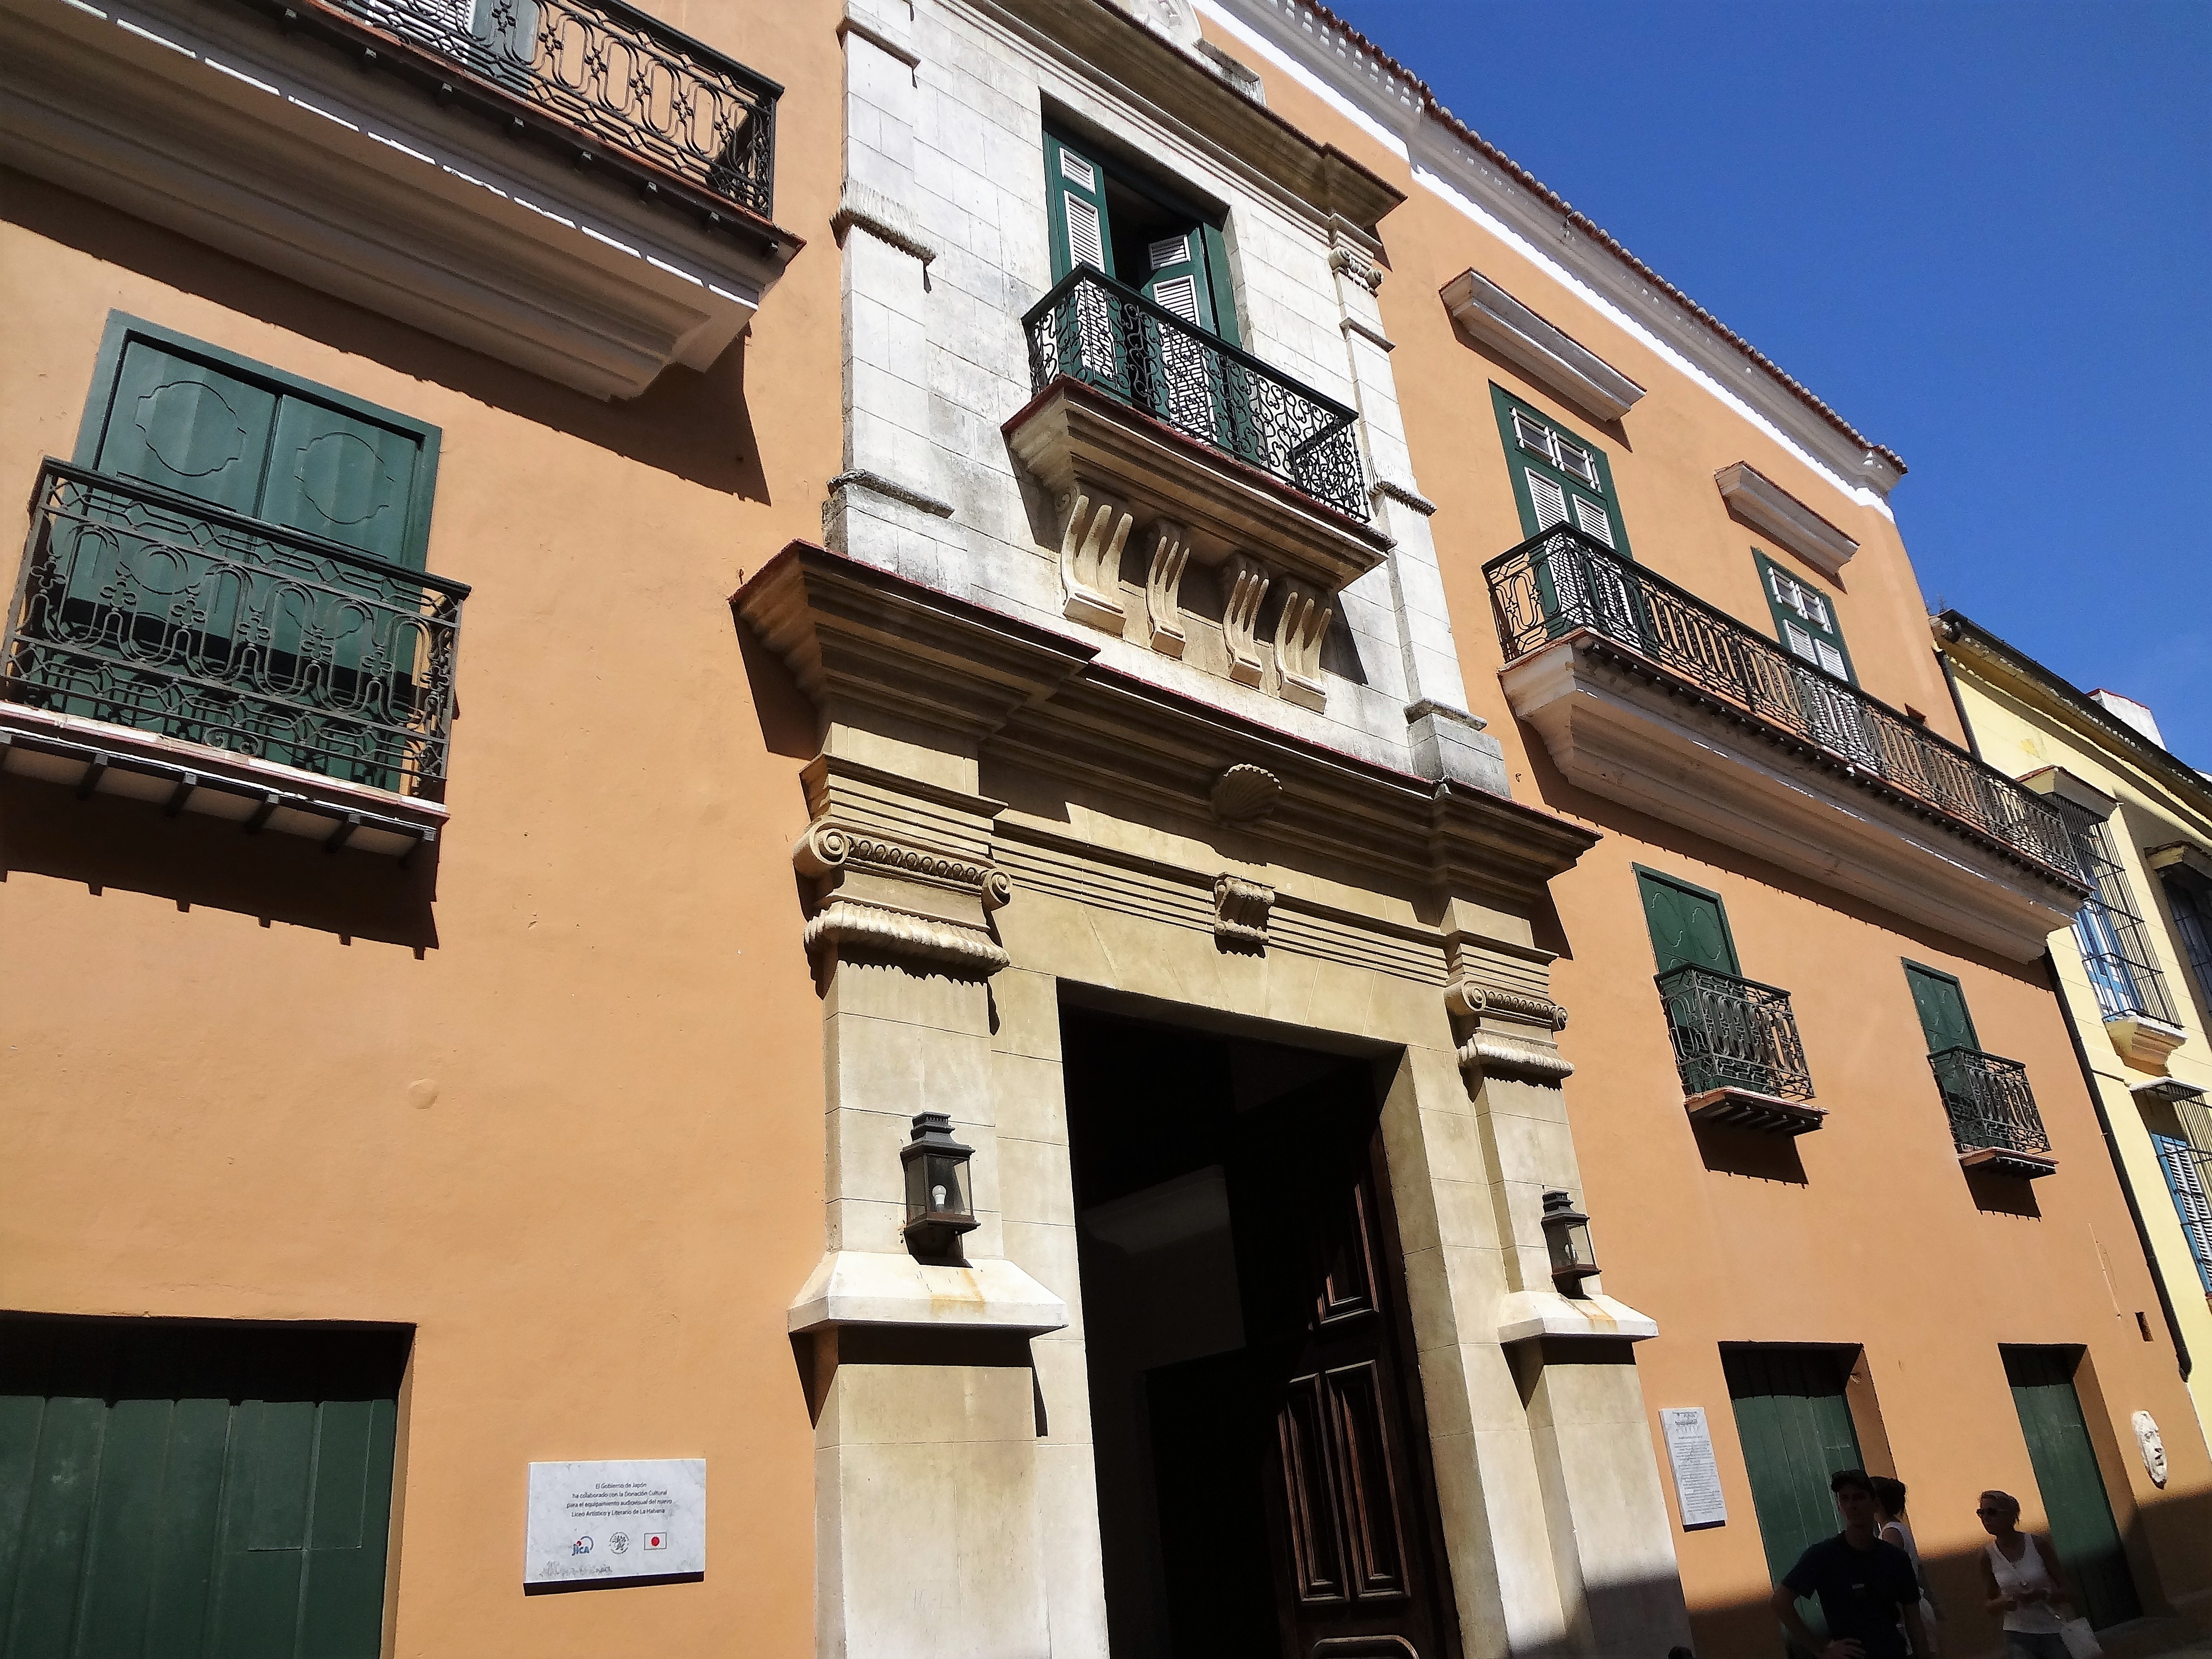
(1867, 1587)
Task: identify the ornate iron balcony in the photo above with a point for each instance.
(151, 610)
(1562, 581)
(612, 75)
(1092, 329)
(1990, 1104)
(1732, 1033)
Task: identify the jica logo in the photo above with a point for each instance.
(581, 1547)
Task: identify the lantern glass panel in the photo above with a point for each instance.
(947, 1192)
(1570, 1248)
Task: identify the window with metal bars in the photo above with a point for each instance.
(2192, 925)
(2115, 945)
(2186, 1161)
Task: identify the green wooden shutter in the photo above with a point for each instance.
(1795, 1426)
(194, 1493)
(1075, 209)
(1217, 276)
(1942, 1004)
(2072, 1487)
(1804, 619)
(1688, 925)
(184, 423)
(2188, 1170)
(345, 479)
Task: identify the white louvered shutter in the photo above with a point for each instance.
(1549, 501)
(1084, 245)
(1180, 296)
(1594, 520)
(1170, 250)
(1831, 659)
(1799, 642)
(2184, 1179)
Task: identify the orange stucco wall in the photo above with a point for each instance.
(1866, 1232)
(565, 1119)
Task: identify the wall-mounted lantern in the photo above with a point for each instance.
(1566, 1232)
(938, 1205)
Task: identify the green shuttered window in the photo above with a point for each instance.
(170, 410)
(1941, 1003)
(194, 1491)
(1804, 620)
(2072, 1486)
(1689, 927)
(1559, 476)
(1137, 232)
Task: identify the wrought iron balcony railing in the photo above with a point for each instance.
(1562, 581)
(1990, 1102)
(1732, 1033)
(1092, 329)
(613, 75)
(150, 610)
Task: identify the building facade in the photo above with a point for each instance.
(975, 1054)
(2134, 970)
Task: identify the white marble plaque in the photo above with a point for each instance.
(1697, 1476)
(641, 1518)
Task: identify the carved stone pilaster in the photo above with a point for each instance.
(1091, 542)
(1240, 913)
(1298, 634)
(895, 899)
(1244, 584)
(1164, 586)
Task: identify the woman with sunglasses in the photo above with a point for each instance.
(2022, 1579)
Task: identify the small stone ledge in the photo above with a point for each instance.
(871, 1287)
(1527, 1316)
(1748, 1109)
(100, 758)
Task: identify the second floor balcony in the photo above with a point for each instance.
(1647, 694)
(1141, 413)
(1994, 1120)
(571, 187)
(1737, 1050)
(167, 649)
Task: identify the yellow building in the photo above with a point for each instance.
(2134, 970)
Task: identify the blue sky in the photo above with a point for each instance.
(1981, 229)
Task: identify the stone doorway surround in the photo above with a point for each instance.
(994, 813)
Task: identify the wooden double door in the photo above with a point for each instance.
(1296, 1502)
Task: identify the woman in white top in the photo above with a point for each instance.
(1889, 1505)
(2024, 1582)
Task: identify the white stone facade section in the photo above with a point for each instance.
(945, 109)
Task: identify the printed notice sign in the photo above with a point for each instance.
(1697, 1476)
(637, 1519)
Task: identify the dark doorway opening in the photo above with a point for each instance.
(1264, 1482)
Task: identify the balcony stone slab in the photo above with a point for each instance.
(210, 120)
(1748, 1109)
(2144, 1041)
(2005, 1161)
(1624, 729)
(1078, 442)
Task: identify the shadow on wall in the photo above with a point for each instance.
(105, 842)
(695, 424)
(2172, 1614)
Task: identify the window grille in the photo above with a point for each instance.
(2115, 945)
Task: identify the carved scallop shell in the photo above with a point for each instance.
(1245, 792)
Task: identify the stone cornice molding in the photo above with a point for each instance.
(1541, 350)
(1145, 70)
(1766, 505)
(864, 643)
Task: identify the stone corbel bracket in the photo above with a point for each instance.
(1163, 587)
(890, 898)
(1244, 585)
(1091, 543)
(1241, 908)
(1513, 1034)
(1298, 632)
